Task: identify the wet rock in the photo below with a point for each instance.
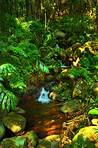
(14, 142)
(60, 34)
(19, 110)
(32, 91)
(32, 138)
(86, 137)
(2, 131)
(70, 106)
(52, 141)
(66, 77)
(95, 122)
(53, 95)
(2, 112)
(76, 46)
(50, 78)
(15, 122)
(95, 89)
(80, 90)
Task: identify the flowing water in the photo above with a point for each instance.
(45, 119)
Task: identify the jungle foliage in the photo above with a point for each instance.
(28, 41)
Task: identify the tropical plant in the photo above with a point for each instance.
(81, 72)
(7, 98)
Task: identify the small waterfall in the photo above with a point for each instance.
(43, 98)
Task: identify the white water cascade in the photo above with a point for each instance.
(43, 98)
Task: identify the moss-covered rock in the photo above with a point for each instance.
(70, 106)
(52, 141)
(14, 142)
(15, 122)
(86, 137)
(80, 90)
(32, 138)
(95, 89)
(2, 131)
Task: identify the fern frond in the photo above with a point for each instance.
(7, 99)
(6, 68)
(42, 66)
(1, 79)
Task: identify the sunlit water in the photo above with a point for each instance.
(44, 119)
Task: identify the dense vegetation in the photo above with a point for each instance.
(29, 43)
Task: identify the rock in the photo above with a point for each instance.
(53, 95)
(32, 138)
(60, 34)
(80, 90)
(19, 110)
(66, 77)
(86, 137)
(57, 70)
(14, 142)
(76, 46)
(70, 106)
(95, 89)
(2, 112)
(2, 131)
(31, 89)
(95, 122)
(50, 78)
(66, 93)
(15, 122)
(52, 141)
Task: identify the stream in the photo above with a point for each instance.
(44, 118)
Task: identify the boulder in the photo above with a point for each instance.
(52, 141)
(20, 111)
(15, 122)
(70, 106)
(65, 94)
(32, 91)
(2, 131)
(95, 89)
(60, 34)
(14, 142)
(80, 90)
(86, 137)
(32, 138)
(66, 77)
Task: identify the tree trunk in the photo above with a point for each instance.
(27, 8)
(16, 8)
(37, 9)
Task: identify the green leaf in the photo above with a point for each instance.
(8, 104)
(0, 90)
(5, 70)
(93, 111)
(1, 79)
(1, 97)
(4, 102)
(8, 68)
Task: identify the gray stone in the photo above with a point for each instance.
(70, 106)
(15, 122)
